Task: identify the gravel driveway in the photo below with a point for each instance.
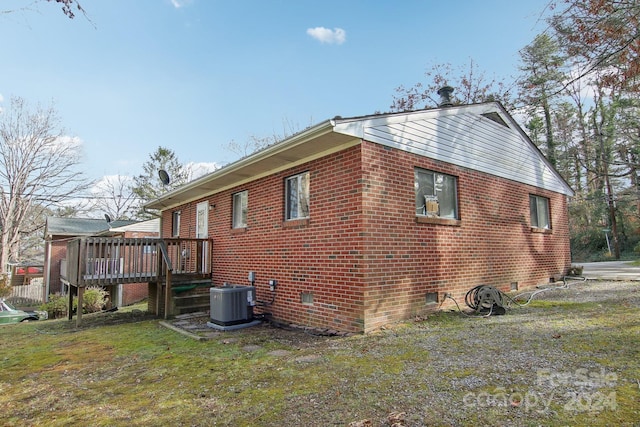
(570, 357)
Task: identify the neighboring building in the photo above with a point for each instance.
(370, 220)
(26, 284)
(58, 231)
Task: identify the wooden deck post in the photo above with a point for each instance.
(70, 304)
(167, 295)
(80, 299)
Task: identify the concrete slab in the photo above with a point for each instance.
(610, 270)
(234, 327)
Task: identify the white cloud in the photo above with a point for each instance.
(198, 169)
(180, 3)
(582, 85)
(326, 35)
(67, 143)
(109, 182)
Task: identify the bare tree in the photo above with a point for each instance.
(37, 172)
(113, 196)
(250, 145)
(603, 36)
(256, 143)
(69, 7)
(470, 83)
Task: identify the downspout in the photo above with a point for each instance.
(47, 280)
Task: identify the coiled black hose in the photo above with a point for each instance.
(484, 299)
(489, 300)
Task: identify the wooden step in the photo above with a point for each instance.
(191, 303)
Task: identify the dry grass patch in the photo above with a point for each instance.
(569, 359)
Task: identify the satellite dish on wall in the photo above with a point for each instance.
(107, 217)
(164, 177)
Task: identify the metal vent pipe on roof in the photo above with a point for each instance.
(445, 96)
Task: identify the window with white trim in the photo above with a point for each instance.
(240, 201)
(297, 196)
(436, 194)
(539, 208)
(175, 224)
(149, 249)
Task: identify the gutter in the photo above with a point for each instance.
(47, 280)
(294, 140)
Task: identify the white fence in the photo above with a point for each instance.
(28, 295)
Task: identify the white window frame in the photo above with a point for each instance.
(239, 215)
(296, 196)
(439, 201)
(202, 220)
(175, 223)
(149, 249)
(539, 212)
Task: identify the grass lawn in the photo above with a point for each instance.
(557, 361)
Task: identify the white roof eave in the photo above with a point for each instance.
(281, 155)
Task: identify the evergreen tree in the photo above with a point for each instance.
(541, 84)
(148, 185)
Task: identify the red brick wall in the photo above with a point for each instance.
(134, 292)
(492, 244)
(363, 255)
(321, 255)
(58, 253)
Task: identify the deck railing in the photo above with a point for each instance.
(103, 261)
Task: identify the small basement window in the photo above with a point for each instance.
(431, 297)
(306, 297)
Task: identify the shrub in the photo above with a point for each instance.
(93, 300)
(5, 286)
(56, 306)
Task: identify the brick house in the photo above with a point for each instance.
(58, 231)
(369, 220)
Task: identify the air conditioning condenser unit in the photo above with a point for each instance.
(232, 307)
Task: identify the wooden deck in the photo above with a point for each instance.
(107, 261)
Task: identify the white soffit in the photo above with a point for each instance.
(315, 142)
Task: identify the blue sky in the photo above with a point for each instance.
(192, 75)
